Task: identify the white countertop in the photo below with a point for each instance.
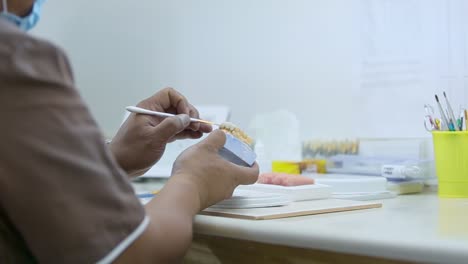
(413, 227)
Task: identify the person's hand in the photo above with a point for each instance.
(212, 176)
(142, 139)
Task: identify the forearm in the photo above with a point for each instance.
(169, 233)
(179, 194)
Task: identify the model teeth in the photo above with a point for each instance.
(237, 132)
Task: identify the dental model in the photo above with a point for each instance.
(236, 132)
(238, 146)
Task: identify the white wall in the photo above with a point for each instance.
(346, 67)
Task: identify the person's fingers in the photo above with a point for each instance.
(193, 112)
(187, 134)
(202, 127)
(215, 140)
(167, 100)
(153, 103)
(176, 100)
(205, 128)
(247, 175)
(170, 127)
(242, 174)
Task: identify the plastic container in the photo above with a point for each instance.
(420, 170)
(392, 168)
(352, 183)
(451, 159)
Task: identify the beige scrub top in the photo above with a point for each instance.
(63, 197)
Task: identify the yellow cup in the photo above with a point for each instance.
(288, 167)
(451, 159)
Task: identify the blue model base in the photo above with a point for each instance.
(237, 152)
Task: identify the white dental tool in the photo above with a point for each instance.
(139, 110)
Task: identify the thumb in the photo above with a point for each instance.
(171, 126)
(215, 140)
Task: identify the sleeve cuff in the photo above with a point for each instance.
(122, 246)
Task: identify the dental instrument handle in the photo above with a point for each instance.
(139, 110)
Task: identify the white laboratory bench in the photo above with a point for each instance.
(409, 228)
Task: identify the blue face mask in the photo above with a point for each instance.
(25, 23)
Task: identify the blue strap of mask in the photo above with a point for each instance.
(25, 23)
